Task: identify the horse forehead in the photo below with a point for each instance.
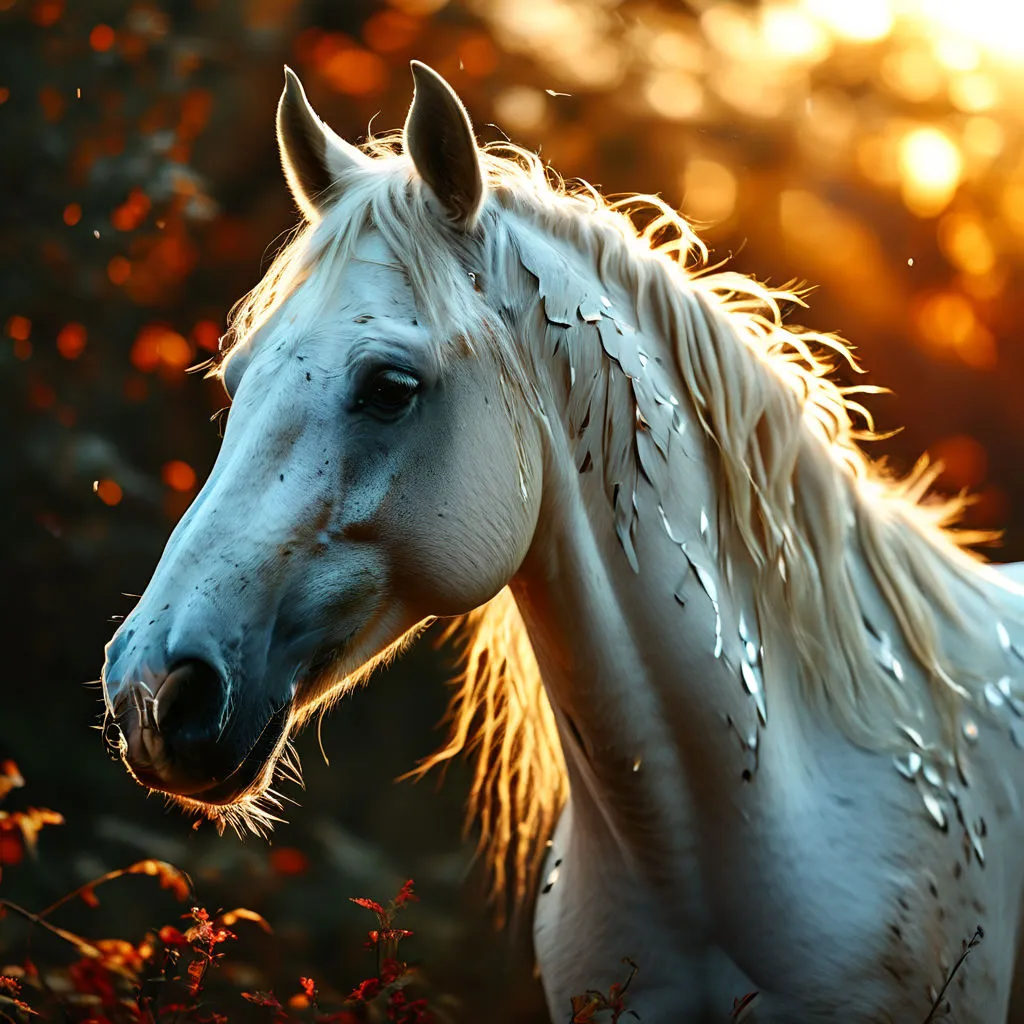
(373, 280)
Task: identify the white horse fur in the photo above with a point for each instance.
(773, 706)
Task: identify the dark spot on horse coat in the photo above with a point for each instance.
(550, 885)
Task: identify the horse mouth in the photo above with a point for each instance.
(249, 779)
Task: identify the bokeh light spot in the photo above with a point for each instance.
(790, 33)
(966, 244)
(41, 395)
(19, 328)
(390, 31)
(102, 38)
(47, 12)
(72, 214)
(71, 340)
(178, 475)
(674, 94)
(287, 860)
(108, 491)
(158, 347)
(974, 92)
(119, 270)
(206, 335)
(709, 191)
(52, 102)
(946, 321)
(355, 72)
(478, 55)
(964, 461)
(930, 166)
(132, 212)
(862, 21)
(520, 108)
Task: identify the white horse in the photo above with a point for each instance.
(773, 707)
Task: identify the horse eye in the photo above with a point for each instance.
(391, 391)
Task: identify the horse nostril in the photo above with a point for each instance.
(188, 707)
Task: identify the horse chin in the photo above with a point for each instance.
(244, 800)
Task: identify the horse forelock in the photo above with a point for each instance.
(798, 498)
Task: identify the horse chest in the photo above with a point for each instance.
(849, 902)
(817, 911)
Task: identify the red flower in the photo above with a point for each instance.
(308, 987)
(405, 895)
(203, 933)
(367, 990)
(402, 1011)
(170, 936)
(91, 978)
(373, 905)
(391, 970)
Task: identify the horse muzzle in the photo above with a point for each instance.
(180, 732)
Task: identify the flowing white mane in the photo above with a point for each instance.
(799, 501)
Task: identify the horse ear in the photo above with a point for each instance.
(439, 138)
(312, 155)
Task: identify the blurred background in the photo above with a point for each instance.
(873, 149)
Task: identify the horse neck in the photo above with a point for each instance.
(650, 660)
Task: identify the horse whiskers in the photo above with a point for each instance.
(225, 718)
(290, 765)
(250, 815)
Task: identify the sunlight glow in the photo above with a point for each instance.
(931, 165)
(789, 32)
(864, 21)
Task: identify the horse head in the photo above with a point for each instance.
(374, 471)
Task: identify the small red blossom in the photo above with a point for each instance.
(9, 986)
(405, 895)
(170, 936)
(366, 990)
(391, 970)
(308, 987)
(373, 905)
(90, 977)
(204, 932)
(404, 1011)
